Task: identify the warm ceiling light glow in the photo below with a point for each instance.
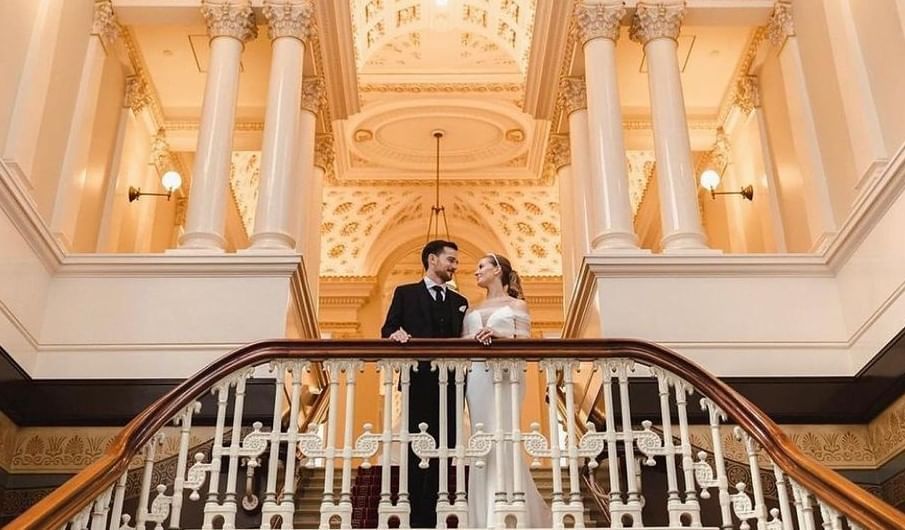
(171, 181)
(710, 179)
(441, 3)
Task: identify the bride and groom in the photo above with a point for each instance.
(430, 309)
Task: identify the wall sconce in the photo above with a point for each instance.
(171, 181)
(710, 179)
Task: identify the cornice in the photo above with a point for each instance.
(446, 88)
(547, 56)
(338, 44)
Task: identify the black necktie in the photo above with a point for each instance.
(439, 291)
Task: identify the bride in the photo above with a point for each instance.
(503, 313)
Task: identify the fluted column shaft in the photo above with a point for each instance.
(656, 26)
(611, 212)
(68, 199)
(289, 24)
(229, 25)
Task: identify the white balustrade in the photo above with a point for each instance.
(690, 450)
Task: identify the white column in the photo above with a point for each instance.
(748, 99)
(611, 227)
(821, 221)
(865, 133)
(229, 25)
(68, 199)
(314, 153)
(656, 26)
(135, 99)
(25, 122)
(289, 23)
(575, 102)
(558, 152)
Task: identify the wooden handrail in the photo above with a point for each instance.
(55, 510)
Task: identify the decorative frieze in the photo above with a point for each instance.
(105, 24)
(573, 93)
(599, 20)
(160, 152)
(137, 94)
(289, 18)
(323, 151)
(314, 94)
(657, 21)
(747, 93)
(781, 25)
(558, 151)
(229, 19)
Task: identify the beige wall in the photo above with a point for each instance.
(75, 26)
(17, 18)
(826, 102)
(883, 44)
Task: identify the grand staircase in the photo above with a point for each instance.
(366, 496)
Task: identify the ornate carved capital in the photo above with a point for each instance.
(229, 19)
(314, 94)
(599, 20)
(289, 18)
(719, 155)
(558, 151)
(323, 151)
(781, 25)
(105, 24)
(747, 93)
(137, 95)
(573, 93)
(160, 152)
(657, 21)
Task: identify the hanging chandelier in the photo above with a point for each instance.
(437, 210)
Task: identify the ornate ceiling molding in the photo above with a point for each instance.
(547, 57)
(337, 44)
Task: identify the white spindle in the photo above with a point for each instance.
(270, 506)
(402, 502)
(345, 495)
(234, 446)
(119, 494)
(672, 483)
(141, 513)
(615, 495)
(442, 429)
(501, 495)
(287, 501)
(386, 373)
(715, 415)
(184, 420)
(683, 390)
(461, 501)
(100, 509)
(751, 449)
(333, 371)
(571, 437)
(783, 494)
(515, 379)
(550, 372)
(803, 503)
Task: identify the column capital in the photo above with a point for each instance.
(781, 26)
(662, 20)
(574, 94)
(314, 94)
(105, 25)
(747, 93)
(229, 19)
(137, 93)
(289, 18)
(599, 20)
(323, 151)
(559, 151)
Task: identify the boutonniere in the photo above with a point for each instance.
(462, 308)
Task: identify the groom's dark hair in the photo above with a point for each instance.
(435, 247)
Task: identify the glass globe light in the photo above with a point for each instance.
(171, 181)
(710, 179)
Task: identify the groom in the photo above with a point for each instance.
(427, 309)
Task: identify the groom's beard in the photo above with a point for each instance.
(445, 275)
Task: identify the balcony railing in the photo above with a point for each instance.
(787, 489)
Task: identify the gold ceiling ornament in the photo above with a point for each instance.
(781, 25)
(437, 210)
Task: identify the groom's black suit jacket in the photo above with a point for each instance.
(413, 308)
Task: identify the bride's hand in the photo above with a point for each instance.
(484, 336)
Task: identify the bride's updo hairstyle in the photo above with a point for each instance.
(509, 277)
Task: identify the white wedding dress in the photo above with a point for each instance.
(482, 484)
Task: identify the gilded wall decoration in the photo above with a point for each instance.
(244, 178)
(70, 449)
(887, 432)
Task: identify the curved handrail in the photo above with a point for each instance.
(55, 510)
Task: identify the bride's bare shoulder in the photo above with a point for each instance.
(517, 304)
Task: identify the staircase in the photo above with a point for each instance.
(366, 496)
